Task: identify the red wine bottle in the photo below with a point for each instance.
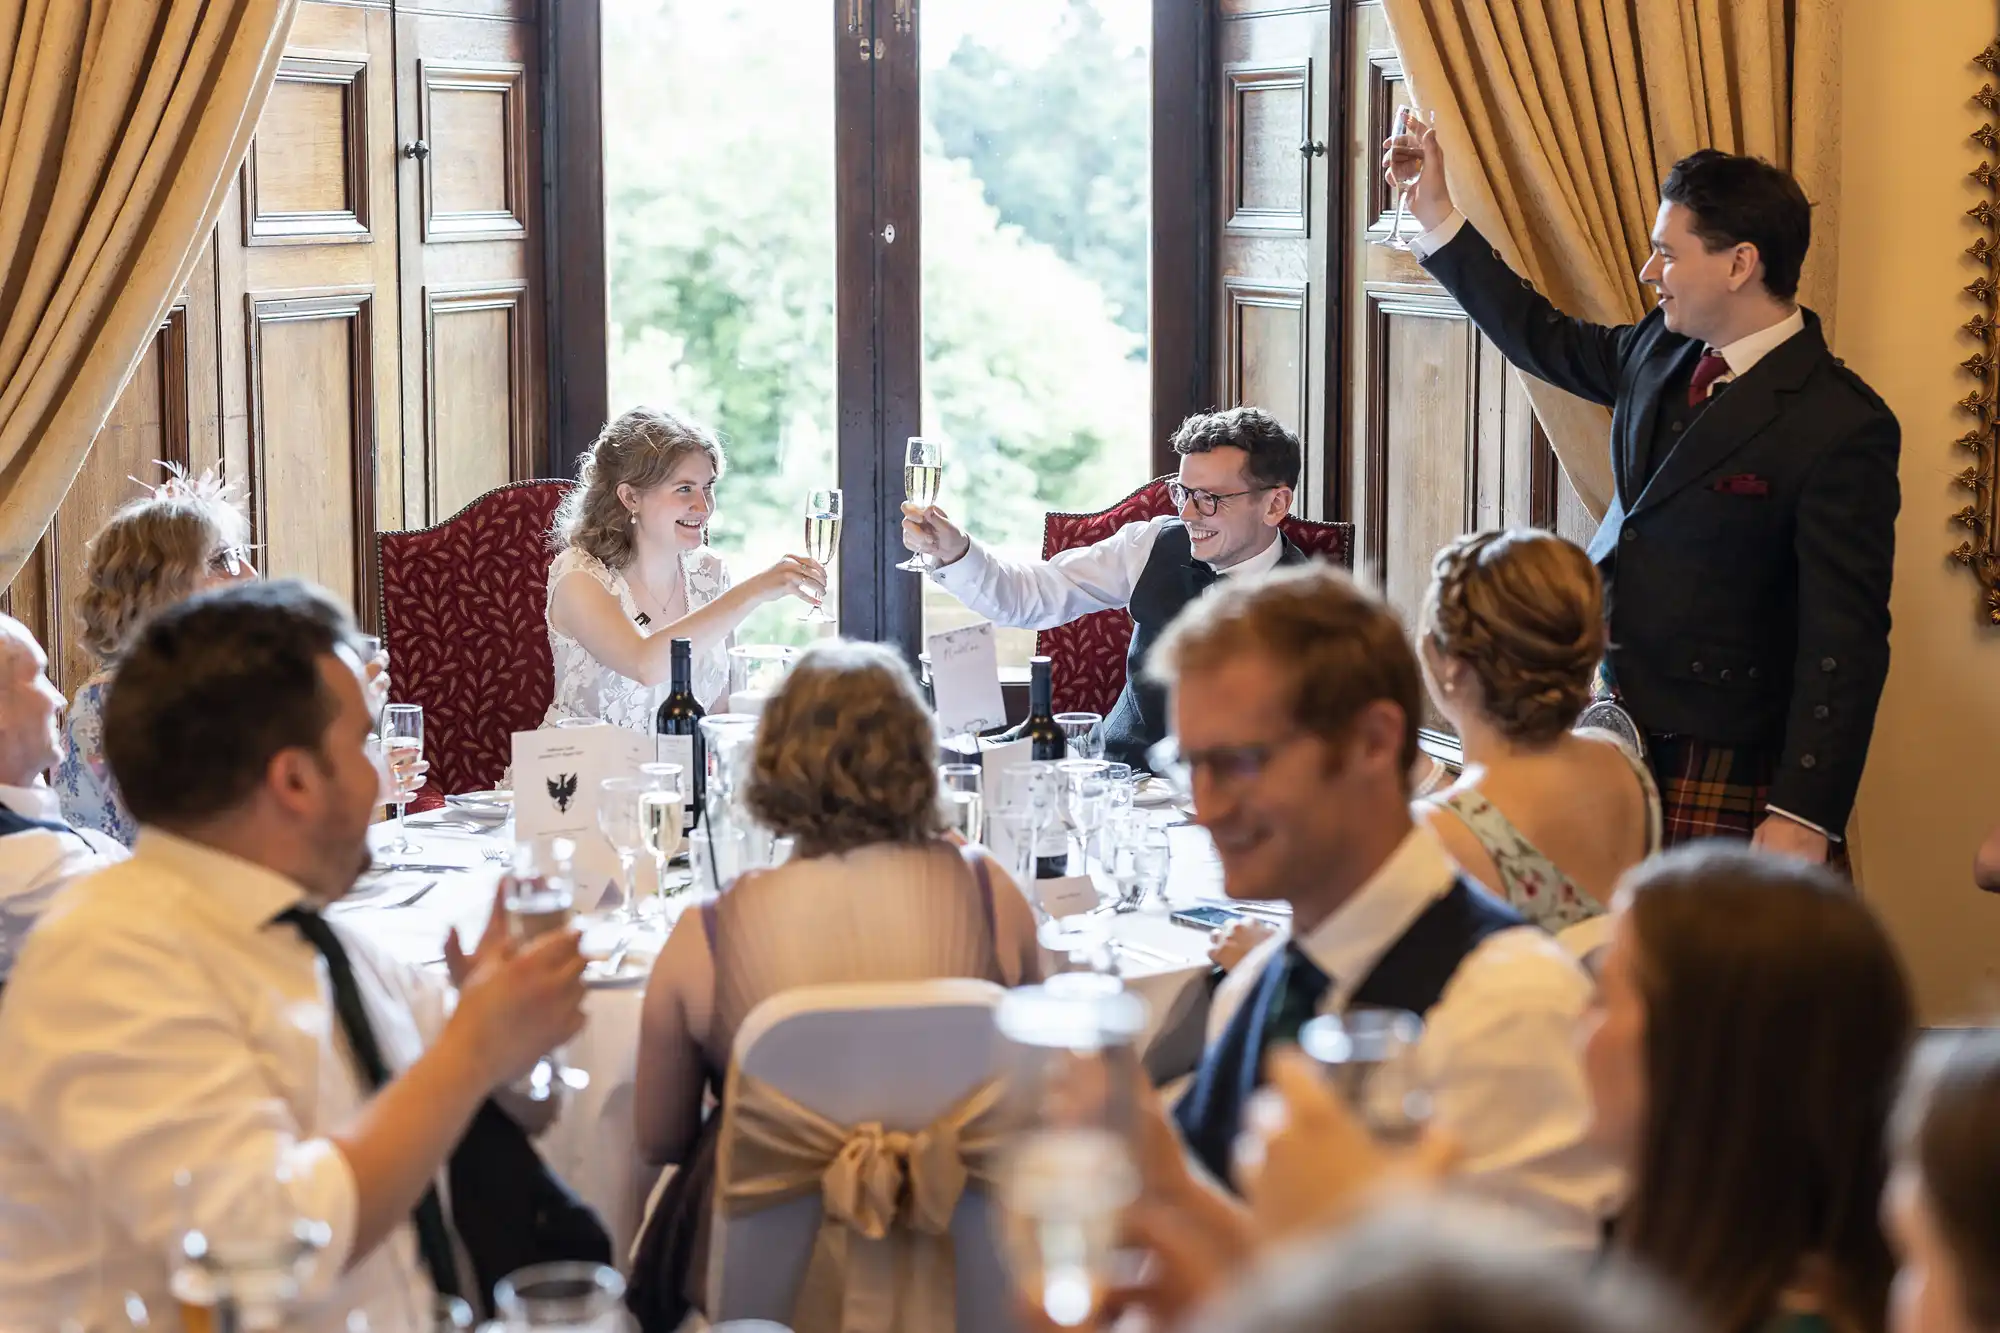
(677, 728)
(1047, 743)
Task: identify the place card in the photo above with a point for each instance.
(1072, 895)
(965, 681)
(556, 772)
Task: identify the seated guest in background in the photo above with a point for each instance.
(39, 853)
(1237, 473)
(1940, 1206)
(845, 767)
(191, 1010)
(1295, 701)
(188, 535)
(636, 529)
(1548, 818)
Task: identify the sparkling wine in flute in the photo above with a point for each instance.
(966, 815)
(822, 536)
(921, 482)
(1062, 1192)
(660, 822)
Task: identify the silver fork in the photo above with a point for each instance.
(414, 898)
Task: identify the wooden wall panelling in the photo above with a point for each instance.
(1272, 215)
(469, 116)
(312, 366)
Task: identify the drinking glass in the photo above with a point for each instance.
(1085, 791)
(1373, 1057)
(923, 477)
(1068, 1175)
(618, 819)
(1081, 731)
(717, 855)
(570, 1296)
(402, 743)
(823, 509)
(659, 804)
(539, 898)
(964, 805)
(1151, 850)
(1406, 123)
(242, 1252)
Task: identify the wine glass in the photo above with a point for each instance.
(1373, 1058)
(402, 744)
(823, 509)
(1081, 731)
(618, 820)
(539, 898)
(1406, 175)
(1085, 792)
(1068, 1176)
(963, 802)
(242, 1252)
(923, 477)
(659, 803)
(566, 1296)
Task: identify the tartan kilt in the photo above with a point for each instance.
(1709, 791)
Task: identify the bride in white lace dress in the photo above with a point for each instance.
(635, 530)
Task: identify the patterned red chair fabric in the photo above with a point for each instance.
(462, 617)
(1087, 656)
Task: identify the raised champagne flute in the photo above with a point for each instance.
(402, 745)
(1406, 174)
(823, 509)
(539, 898)
(923, 477)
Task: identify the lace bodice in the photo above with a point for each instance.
(586, 687)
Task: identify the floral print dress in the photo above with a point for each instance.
(83, 780)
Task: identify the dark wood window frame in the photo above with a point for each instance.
(878, 293)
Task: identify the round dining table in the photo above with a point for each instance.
(408, 913)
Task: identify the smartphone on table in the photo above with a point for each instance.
(1205, 917)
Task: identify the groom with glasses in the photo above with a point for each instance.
(1238, 470)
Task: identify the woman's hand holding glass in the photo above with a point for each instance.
(792, 576)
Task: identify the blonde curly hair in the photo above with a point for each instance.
(155, 551)
(640, 449)
(846, 754)
(1525, 610)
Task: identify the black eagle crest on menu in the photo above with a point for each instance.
(562, 790)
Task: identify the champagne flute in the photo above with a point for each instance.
(618, 820)
(402, 744)
(923, 477)
(1086, 790)
(964, 805)
(1406, 175)
(539, 899)
(823, 509)
(658, 805)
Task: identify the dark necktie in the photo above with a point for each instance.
(1305, 985)
(433, 1235)
(1710, 368)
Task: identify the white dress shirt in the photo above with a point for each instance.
(1499, 1047)
(35, 864)
(1041, 594)
(160, 1020)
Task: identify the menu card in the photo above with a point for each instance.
(965, 681)
(556, 772)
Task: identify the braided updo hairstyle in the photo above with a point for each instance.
(1525, 610)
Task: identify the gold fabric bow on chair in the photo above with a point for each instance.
(882, 1261)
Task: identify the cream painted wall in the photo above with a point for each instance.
(1932, 788)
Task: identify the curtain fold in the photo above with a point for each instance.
(1559, 117)
(121, 124)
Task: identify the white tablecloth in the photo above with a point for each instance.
(591, 1145)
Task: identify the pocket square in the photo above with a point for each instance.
(1742, 484)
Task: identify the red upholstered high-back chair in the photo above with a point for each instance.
(463, 618)
(1087, 656)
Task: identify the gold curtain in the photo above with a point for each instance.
(121, 122)
(1559, 118)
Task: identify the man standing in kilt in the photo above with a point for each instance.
(1748, 552)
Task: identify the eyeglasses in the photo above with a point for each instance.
(231, 560)
(1207, 502)
(1228, 765)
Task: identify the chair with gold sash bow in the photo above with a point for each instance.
(860, 1127)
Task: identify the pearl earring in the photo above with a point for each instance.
(635, 518)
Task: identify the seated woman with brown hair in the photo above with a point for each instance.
(1943, 1202)
(1544, 816)
(845, 766)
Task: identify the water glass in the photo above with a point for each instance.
(1151, 850)
(1373, 1057)
(619, 820)
(539, 897)
(569, 1296)
(717, 855)
(402, 744)
(1085, 740)
(242, 1253)
(1067, 1177)
(1085, 793)
(964, 806)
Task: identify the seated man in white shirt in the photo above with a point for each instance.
(190, 1011)
(39, 851)
(1295, 702)
(1237, 473)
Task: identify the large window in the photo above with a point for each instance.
(750, 144)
